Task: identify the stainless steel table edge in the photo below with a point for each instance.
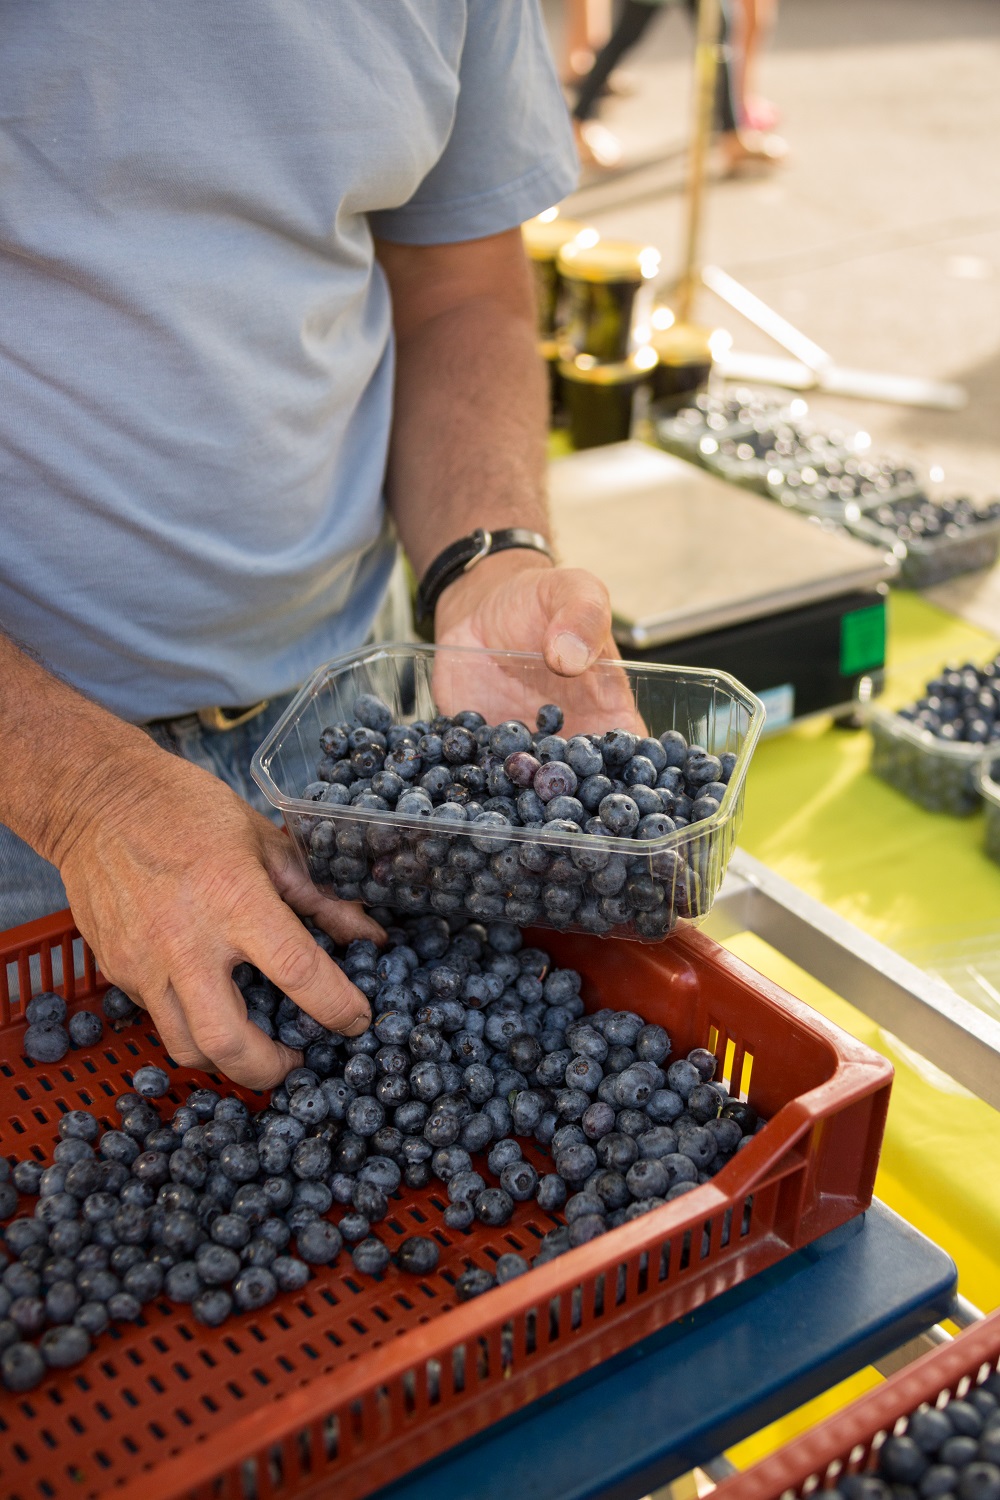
(924, 1013)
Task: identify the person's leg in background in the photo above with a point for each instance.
(756, 20)
(586, 27)
(741, 146)
(597, 146)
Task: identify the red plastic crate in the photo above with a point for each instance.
(353, 1382)
(848, 1442)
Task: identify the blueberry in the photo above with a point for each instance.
(93, 1317)
(22, 1367)
(520, 1180)
(503, 1153)
(144, 1280)
(508, 737)
(549, 719)
(418, 1255)
(117, 1006)
(586, 1228)
(27, 1175)
(182, 1283)
(230, 1230)
(551, 1194)
(319, 1242)
(85, 1028)
(583, 758)
(509, 1266)
(370, 1257)
(61, 1301)
(700, 1058)
(680, 1169)
(576, 1162)
(520, 768)
(704, 1103)
(459, 1216)
(683, 1078)
(8, 1200)
(212, 1307)
(150, 1082)
(639, 771)
(254, 1288)
(494, 1207)
(217, 1265)
(675, 747)
(123, 1308)
(647, 1179)
(312, 1157)
(619, 814)
(46, 1042)
(744, 1115)
(473, 1283)
(291, 1275)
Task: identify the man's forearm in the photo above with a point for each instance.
(61, 753)
(468, 440)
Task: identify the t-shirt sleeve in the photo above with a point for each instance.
(510, 153)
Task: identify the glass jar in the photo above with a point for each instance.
(609, 293)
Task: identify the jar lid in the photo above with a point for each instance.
(608, 260)
(586, 370)
(544, 238)
(682, 344)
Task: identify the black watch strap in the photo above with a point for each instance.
(465, 554)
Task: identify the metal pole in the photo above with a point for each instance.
(706, 65)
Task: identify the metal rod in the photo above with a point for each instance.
(922, 1012)
(750, 306)
(706, 65)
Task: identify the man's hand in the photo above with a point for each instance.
(517, 601)
(176, 881)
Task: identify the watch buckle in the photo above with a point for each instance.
(484, 541)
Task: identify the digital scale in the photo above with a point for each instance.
(704, 574)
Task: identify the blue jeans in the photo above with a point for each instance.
(30, 887)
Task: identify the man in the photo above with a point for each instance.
(214, 217)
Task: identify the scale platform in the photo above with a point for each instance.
(704, 574)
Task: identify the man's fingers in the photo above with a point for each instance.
(223, 1032)
(280, 946)
(175, 1034)
(579, 619)
(341, 920)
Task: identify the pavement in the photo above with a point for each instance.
(880, 239)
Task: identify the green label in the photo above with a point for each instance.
(862, 640)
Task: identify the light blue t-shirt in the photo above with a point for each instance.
(195, 341)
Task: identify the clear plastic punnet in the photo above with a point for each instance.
(495, 871)
(925, 561)
(989, 787)
(941, 775)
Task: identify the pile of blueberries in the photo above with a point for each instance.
(952, 535)
(472, 784)
(476, 1039)
(922, 519)
(961, 706)
(945, 1452)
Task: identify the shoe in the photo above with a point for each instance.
(746, 152)
(761, 114)
(596, 145)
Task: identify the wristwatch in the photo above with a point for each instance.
(463, 555)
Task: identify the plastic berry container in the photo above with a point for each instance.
(344, 1386)
(925, 561)
(409, 863)
(941, 775)
(989, 790)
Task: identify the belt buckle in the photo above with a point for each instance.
(223, 719)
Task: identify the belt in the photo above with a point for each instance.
(219, 719)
